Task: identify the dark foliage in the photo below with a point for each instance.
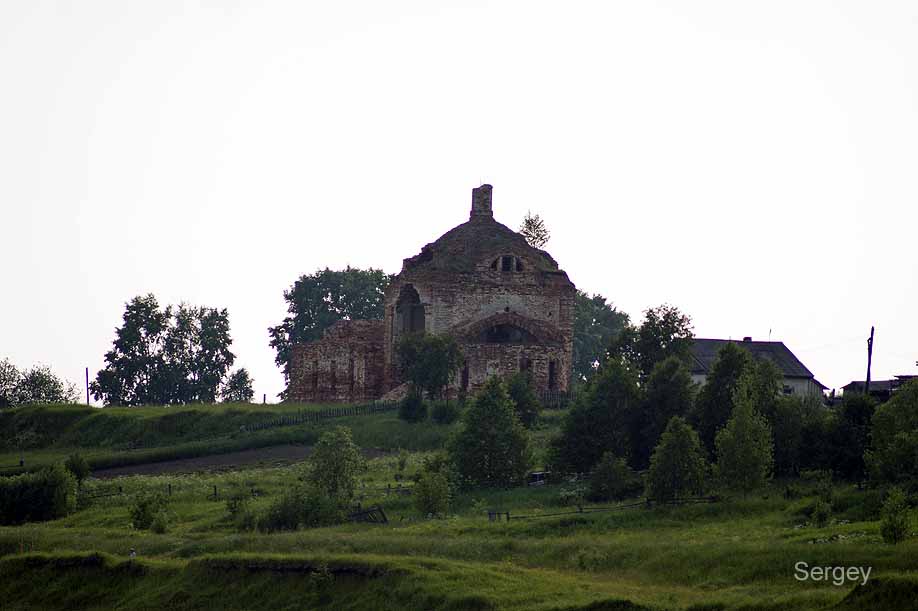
(715, 401)
(147, 508)
(596, 324)
(412, 408)
(677, 466)
(604, 417)
(893, 456)
(429, 362)
(179, 354)
(612, 480)
(445, 412)
(524, 398)
(36, 385)
(668, 392)
(36, 497)
(665, 332)
(492, 447)
(78, 466)
(238, 387)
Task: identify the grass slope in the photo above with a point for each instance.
(167, 433)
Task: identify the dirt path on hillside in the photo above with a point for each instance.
(273, 456)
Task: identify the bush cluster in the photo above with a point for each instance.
(149, 511)
(894, 525)
(304, 506)
(613, 480)
(445, 412)
(35, 497)
(412, 408)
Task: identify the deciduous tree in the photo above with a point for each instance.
(524, 398)
(745, 449)
(668, 392)
(166, 355)
(492, 447)
(603, 417)
(335, 464)
(429, 362)
(596, 324)
(715, 401)
(677, 466)
(238, 387)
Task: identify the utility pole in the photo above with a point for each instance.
(869, 359)
(87, 386)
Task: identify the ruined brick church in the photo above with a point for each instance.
(508, 305)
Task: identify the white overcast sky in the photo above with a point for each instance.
(753, 164)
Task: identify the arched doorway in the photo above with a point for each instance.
(409, 311)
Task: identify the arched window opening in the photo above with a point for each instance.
(552, 376)
(507, 263)
(507, 334)
(464, 385)
(410, 311)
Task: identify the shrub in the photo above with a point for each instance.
(402, 461)
(412, 408)
(303, 506)
(445, 412)
(283, 514)
(432, 493)
(146, 507)
(492, 447)
(237, 502)
(334, 465)
(612, 479)
(894, 524)
(160, 522)
(524, 398)
(821, 513)
(78, 465)
(677, 466)
(572, 494)
(34, 497)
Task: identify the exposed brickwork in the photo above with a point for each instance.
(346, 365)
(508, 304)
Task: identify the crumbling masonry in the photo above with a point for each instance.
(508, 305)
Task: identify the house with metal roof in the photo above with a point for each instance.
(797, 379)
(881, 390)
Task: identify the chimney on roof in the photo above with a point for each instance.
(481, 202)
(747, 339)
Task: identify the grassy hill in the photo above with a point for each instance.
(734, 554)
(113, 437)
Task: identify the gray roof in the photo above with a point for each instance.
(875, 385)
(704, 353)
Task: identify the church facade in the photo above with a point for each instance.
(509, 306)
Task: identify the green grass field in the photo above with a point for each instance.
(735, 554)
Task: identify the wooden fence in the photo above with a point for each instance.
(497, 516)
(555, 399)
(306, 416)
